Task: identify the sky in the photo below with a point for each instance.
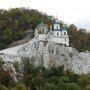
(69, 11)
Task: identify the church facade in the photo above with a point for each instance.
(56, 33)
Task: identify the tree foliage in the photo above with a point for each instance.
(16, 23)
(41, 78)
(79, 39)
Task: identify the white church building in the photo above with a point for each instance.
(56, 33)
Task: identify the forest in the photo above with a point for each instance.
(18, 23)
(31, 77)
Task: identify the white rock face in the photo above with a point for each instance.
(47, 53)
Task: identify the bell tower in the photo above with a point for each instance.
(57, 25)
(41, 32)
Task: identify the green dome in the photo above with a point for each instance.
(42, 24)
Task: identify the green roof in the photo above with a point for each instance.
(42, 24)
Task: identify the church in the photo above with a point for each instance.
(56, 33)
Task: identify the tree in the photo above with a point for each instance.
(15, 23)
(2, 72)
(73, 86)
(79, 39)
(87, 87)
(84, 80)
(20, 87)
(2, 87)
(65, 79)
(49, 86)
(16, 65)
(7, 35)
(72, 31)
(6, 79)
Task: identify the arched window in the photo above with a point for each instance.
(64, 33)
(43, 29)
(57, 27)
(57, 34)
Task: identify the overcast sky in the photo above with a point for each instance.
(69, 11)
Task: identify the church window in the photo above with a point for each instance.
(63, 55)
(57, 34)
(64, 33)
(65, 39)
(57, 27)
(43, 30)
(52, 51)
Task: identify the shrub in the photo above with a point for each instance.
(2, 87)
(73, 86)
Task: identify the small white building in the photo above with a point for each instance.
(41, 32)
(56, 33)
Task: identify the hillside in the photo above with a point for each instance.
(30, 62)
(17, 24)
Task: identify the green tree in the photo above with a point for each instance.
(49, 86)
(2, 87)
(84, 80)
(16, 65)
(7, 35)
(20, 87)
(87, 87)
(73, 86)
(15, 23)
(2, 72)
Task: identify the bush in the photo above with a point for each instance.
(2, 87)
(49, 86)
(87, 87)
(20, 87)
(73, 86)
(65, 79)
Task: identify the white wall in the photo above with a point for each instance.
(60, 40)
(42, 37)
(55, 33)
(56, 26)
(64, 31)
(12, 50)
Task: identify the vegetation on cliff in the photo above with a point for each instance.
(16, 24)
(79, 39)
(31, 77)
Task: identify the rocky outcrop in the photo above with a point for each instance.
(48, 53)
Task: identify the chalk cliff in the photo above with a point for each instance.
(48, 53)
